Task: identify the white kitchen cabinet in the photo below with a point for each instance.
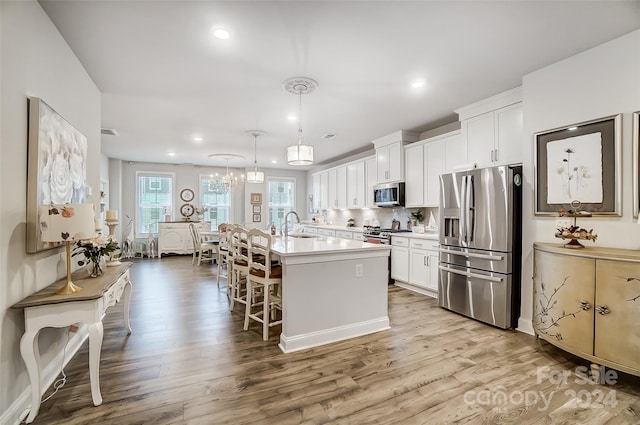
(455, 152)
(344, 234)
(493, 129)
(324, 190)
(434, 166)
(315, 190)
(311, 230)
(356, 185)
(400, 259)
(337, 188)
(327, 232)
(371, 170)
(423, 264)
(414, 176)
(175, 237)
(390, 163)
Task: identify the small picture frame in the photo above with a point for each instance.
(256, 209)
(636, 164)
(256, 198)
(257, 218)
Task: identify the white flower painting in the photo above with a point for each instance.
(574, 169)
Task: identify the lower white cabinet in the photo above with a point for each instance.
(343, 234)
(175, 237)
(414, 264)
(326, 232)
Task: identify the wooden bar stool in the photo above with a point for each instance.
(239, 251)
(223, 253)
(202, 250)
(266, 278)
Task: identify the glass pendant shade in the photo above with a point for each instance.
(300, 155)
(255, 176)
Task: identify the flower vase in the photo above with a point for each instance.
(96, 267)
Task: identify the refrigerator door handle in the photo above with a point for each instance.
(469, 274)
(469, 214)
(461, 223)
(473, 255)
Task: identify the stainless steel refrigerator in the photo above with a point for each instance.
(480, 244)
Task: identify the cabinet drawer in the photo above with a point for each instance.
(395, 241)
(344, 235)
(326, 232)
(423, 244)
(311, 230)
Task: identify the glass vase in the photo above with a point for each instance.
(96, 267)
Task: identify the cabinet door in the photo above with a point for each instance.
(315, 185)
(479, 132)
(341, 187)
(414, 185)
(400, 263)
(333, 193)
(382, 164)
(618, 330)
(324, 190)
(396, 162)
(418, 268)
(371, 170)
(432, 262)
(356, 185)
(455, 152)
(560, 284)
(509, 134)
(433, 153)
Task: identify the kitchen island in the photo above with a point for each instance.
(332, 289)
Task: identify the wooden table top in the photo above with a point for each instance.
(92, 287)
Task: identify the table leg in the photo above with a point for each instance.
(31, 354)
(126, 301)
(95, 345)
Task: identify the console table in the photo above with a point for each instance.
(46, 309)
(175, 236)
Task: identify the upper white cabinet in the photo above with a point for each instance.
(425, 161)
(371, 178)
(356, 185)
(493, 129)
(337, 188)
(324, 190)
(315, 190)
(390, 155)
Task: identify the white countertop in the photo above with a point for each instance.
(429, 236)
(335, 227)
(321, 245)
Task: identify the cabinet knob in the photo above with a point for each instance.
(585, 305)
(602, 309)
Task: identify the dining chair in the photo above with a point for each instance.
(264, 279)
(239, 252)
(202, 250)
(223, 253)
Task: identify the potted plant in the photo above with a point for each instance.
(417, 216)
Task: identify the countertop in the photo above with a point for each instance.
(429, 236)
(335, 227)
(321, 245)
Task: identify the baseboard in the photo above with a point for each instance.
(314, 339)
(423, 291)
(48, 375)
(525, 326)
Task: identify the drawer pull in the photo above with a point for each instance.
(602, 309)
(469, 274)
(584, 305)
(473, 255)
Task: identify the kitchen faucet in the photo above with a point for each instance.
(286, 221)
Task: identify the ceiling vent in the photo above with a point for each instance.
(108, 132)
(328, 136)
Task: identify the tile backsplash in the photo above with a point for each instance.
(383, 215)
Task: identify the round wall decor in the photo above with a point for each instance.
(187, 195)
(187, 210)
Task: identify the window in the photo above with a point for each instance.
(281, 199)
(154, 200)
(217, 203)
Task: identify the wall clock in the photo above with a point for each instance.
(187, 195)
(187, 210)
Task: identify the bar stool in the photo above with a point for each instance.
(202, 250)
(239, 251)
(223, 253)
(263, 277)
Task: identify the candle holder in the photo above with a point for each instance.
(112, 224)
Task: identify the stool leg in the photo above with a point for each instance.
(247, 310)
(265, 313)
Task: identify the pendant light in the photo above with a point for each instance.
(300, 154)
(255, 176)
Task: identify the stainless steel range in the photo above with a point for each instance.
(375, 234)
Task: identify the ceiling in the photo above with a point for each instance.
(165, 79)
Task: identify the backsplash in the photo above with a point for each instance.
(383, 215)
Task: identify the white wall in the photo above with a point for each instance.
(35, 61)
(596, 83)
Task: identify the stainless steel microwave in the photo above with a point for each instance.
(389, 195)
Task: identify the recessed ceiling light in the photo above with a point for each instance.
(417, 84)
(221, 34)
(198, 139)
(292, 117)
(572, 128)
(273, 161)
(171, 153)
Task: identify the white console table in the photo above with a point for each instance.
(46, 309)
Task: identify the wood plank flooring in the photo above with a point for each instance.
(188, 361)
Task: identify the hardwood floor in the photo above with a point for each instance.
(188, 361)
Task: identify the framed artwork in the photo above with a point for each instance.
(580, 162)
(256, 209)
(187, 195)
(636, 164)
(257, 218)
(56, 167)
(256, 198)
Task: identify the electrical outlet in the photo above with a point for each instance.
(359, 270)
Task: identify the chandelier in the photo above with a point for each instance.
(223, 186)
(300, 154)
(255, 176)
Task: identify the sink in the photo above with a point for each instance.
(302, 235)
